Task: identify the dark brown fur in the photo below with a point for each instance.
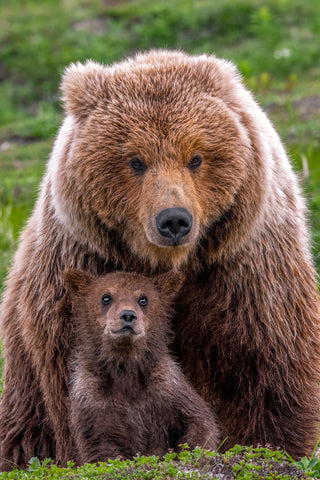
(247, 317)
(127, 395)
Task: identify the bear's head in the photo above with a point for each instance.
(122, 313)
(160, 151)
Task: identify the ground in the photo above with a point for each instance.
(275, 46)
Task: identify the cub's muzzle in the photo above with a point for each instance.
(128, 319)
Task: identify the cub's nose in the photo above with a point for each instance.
(128, 316)
(174, 223)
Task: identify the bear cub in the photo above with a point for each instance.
(127, 394)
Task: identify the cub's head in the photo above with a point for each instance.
(157, 152)
(123, 313)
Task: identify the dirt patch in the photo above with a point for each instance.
(113, 3)
(16, 140)
(3, 72)
(258, 468)
(97, 25)
(308, 107)
(93, 25)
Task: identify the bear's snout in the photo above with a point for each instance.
(174, 223)
(127, 323)
(128, 317)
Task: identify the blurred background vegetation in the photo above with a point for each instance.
(274, 43)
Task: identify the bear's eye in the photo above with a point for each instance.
(143, 301)
(195, 162)
(106, 299)
(137, 164)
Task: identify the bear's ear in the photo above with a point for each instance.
(169, 283)
(76, 280)
(83, 85)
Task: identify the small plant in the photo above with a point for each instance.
(310, 466)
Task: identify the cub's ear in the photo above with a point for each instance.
(76, 280)
(83, 85)
(169, 283)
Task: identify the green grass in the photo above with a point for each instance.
(275, 43)
(21, 169)
(239, 462)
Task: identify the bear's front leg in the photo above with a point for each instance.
(53, 384)
(25, 429)
(52, 369)
(98, 435)
(252, 351)
(266, 407)
(194, 419)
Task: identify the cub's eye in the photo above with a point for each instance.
(137, 164)
(106, 299)
(195, 162)
(143, 301)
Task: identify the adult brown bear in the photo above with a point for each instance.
(127, 394)
(165, 161)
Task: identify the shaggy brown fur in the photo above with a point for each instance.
(127, 395)
(159, 131)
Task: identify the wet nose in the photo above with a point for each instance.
(174, 223)
(128, 316)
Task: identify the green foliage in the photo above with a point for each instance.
(21, 169)
(307, 161)
(39, 38)
(310, 466)
(275, 43)
(256, 463)
(239, 463)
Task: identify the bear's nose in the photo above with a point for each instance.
(174, 223)
(128, 316)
